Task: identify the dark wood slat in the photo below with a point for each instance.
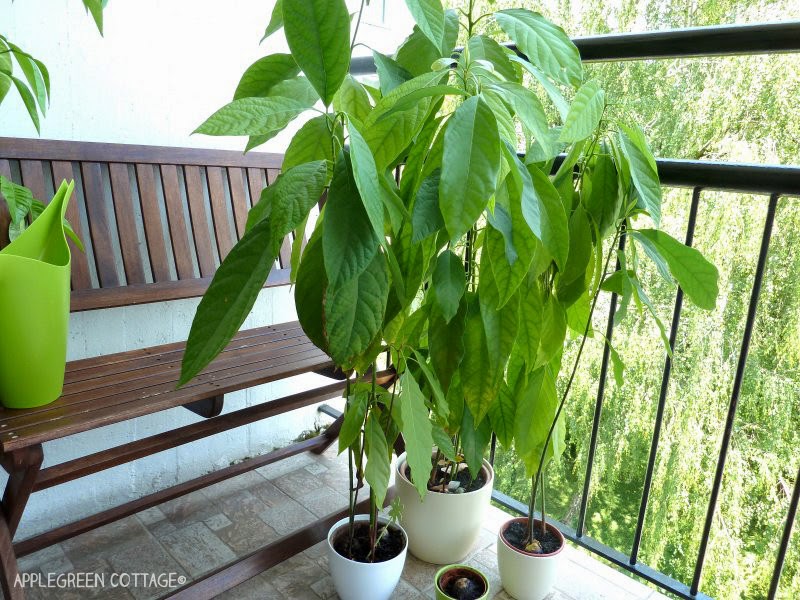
(81, 280)
(179, 233)
(33, 179)
(126, 223)
(151, 215)
(238, 199)
(163, 397)
(154, 292)
(197, 209)
(37, 149)
(222, 229)
(5, 216)
(76, 528)
(124, 453)
(8, 565)
(256, 180)
(99, 225)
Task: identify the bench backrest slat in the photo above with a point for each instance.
(155, 221)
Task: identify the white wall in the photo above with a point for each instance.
(161, 69)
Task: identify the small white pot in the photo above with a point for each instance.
(442, 528)
(364, 581)
(527, 576)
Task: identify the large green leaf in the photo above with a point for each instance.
(546, 217)
(537, 403)
(354, 311)
(354, 413)
(390, 73)
(584, 113)
(500, 327)
(262, 75)
(253, 116)
(698, 278)
(367, 179)
(474, 440)
(446, 344)
(290, 197)
(426, 218)
(429, 16)
(528, 109)
(501, 415)
(416, 432)
(643, 170)
(545, 44)
(378, 463)
(417, 53)
(318, 34)
(312, 142)
(229, 298)
(478, 381)
(482, 47)
(33, 76)
(604, 201)
(530, 326)
(553, 331)
(470, 165)
(348, 239)
(309, 294)
(572, 279)
(352, 99)
(275, 21)
(449, 283)
(28, 100)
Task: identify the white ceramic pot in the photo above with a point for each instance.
(364, 581)
(442, 528)
(527, 576)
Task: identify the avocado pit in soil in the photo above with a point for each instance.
(462, 584)
(442, 478)
(516, 535)
(389, 546)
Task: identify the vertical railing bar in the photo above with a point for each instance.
(785, 538)
(493, 449)
(598, 407)
(662, 397)
(737, 386)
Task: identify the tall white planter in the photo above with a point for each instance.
(527, 576)
(364, 581)
(442, 528)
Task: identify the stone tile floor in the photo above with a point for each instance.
(202, 531)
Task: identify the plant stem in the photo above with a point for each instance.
(358, 24)
(536, 479)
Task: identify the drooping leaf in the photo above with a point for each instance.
(545, 44)
(349, 241)
(528, 108)
(354, 413)
(416, 432)
(501, 415)
(32, 75)
(531, 311)
(479, 383)
(470, 165)
(698, 278)
(95, 8)
(318, 34)
(378, 464)
(309, 294)
(446, 344)
(643, 170)
(604, 201)
(264, 74)
(28, 100)
(500, 328)
(546, 217)
(475, 438)
(572, 279)
(429, 16)
(443, 442)
(584, 113)
(556, 97)
(537, 403)
(449, 283)
(426, 218)
(367, 179)
(275, 21)
(553, 331)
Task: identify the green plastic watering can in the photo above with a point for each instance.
(34, 309)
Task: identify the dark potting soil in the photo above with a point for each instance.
(516, 535)
(463, 477)
(462, 584)
(389, 546)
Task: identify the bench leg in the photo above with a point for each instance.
(208, 408)
(23, 467)
(331, 434)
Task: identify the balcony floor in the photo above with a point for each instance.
(204, 530)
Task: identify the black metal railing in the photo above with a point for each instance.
(773, 181)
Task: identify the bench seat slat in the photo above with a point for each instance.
(141, 396)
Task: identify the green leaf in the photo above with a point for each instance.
(546, 217)
(290, 197)
(367, 179)
(698, 278)
(479, 383)
(443, 442)
(309, 294)
(416, 432)
(354, 413)
(585, 113)
(253, 116)
(537, 403)
(500, 327)
(429, 16)
(32, 76)
(264, 74)
(5, 85)
(449, 283)
(318, 34)
(528, 108)
(501, 415)
(352, 99)
(643, 170)
(312, 142)
(580, 254)
(426, 218)
(470, 165)
(390, 73)
(618, 365)
(545, 44)
(604, 201)
(28, 100)
(413, 97)
(446, 344)
(553, 331)
(378, 463)
(229, 298)
(389, 138)
(95, 7)
(531, 309)
(354, 312)
(348, 239)
(275, 21)
(417, 53)
(474, 441)
(556, 97)
(482, 47)
(19, 200)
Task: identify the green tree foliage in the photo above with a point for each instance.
(737, 108)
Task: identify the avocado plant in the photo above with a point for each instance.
(475, 200)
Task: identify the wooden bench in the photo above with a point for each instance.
(155, 222)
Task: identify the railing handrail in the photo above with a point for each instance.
(715, 40)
